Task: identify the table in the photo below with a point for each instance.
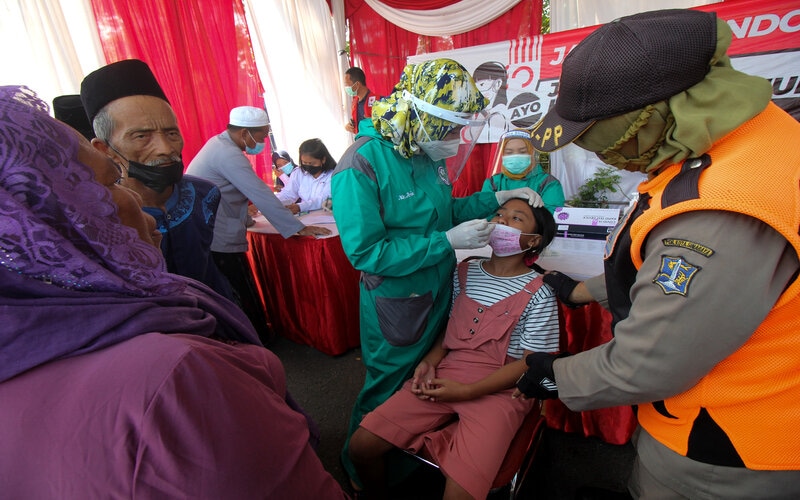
(309, 287)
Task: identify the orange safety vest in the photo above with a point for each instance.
(753, 396)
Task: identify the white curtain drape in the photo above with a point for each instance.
(457, 18)
(572, 165)
(301, 71)
(572, 14)
(340, 34)
(46, 50)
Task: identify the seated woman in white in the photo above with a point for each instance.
(310, 185)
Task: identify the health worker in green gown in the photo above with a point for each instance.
(399, 223)
(515, 166)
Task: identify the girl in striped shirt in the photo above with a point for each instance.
(457, 408)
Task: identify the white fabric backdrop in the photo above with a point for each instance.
(301, 71)
(572, 14)
(457, 18)
(45, 49)
(50, 45)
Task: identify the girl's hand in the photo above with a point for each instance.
(423, 374)
(442, 389)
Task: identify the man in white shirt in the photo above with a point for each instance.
(221, 161)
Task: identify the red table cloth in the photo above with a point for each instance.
(581, 329)
(309, 288)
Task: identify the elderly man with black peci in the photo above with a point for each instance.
(137, 128)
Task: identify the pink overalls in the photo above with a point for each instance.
(471, 450)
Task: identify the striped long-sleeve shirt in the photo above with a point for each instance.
(537, 328)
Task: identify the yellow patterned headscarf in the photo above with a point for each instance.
(443, 83)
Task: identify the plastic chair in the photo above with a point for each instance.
(520, 454)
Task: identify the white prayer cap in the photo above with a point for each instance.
(248, 116)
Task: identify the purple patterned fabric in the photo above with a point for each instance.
(72, 278)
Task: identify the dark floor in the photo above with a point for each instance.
(567, 466)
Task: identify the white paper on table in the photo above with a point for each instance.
(320, 219)
(315, 219)
(333, 234)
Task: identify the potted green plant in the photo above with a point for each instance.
(594, 192)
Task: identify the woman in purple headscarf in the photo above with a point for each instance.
(118, 379)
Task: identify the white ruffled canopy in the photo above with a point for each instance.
(459, 17)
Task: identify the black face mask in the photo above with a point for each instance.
(312, 169)
(156, 178)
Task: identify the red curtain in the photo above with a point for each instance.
(200, 53)
(380, 48)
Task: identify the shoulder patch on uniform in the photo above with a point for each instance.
(675, 275)
(689, 245)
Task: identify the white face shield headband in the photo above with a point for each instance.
(471, 125)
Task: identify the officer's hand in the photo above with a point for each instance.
(471, 234)
(532, 196)
(563, 285)
(539, 381)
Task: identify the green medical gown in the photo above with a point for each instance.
(548, 187)
(392, 214)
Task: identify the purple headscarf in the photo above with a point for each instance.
(73, 279)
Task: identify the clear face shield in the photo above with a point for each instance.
(515, 152)
(468, 137)
(467, 129)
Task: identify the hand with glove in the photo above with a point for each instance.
(471, 234)
(539, 381)
(563, 286)
(532, 196)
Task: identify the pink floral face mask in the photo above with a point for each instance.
(504, 240)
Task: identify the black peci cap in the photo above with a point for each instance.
(115, 81)
(69, 109)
